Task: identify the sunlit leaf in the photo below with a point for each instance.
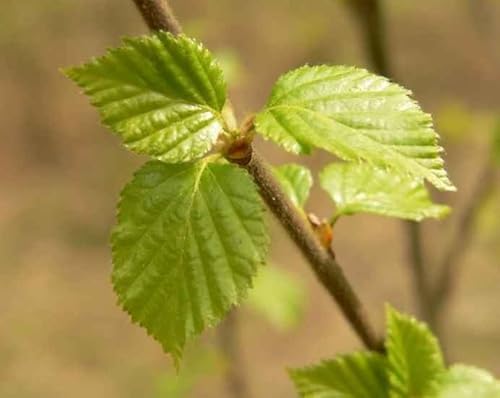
(360, 188)
(355, 115)
(162, 94)
(462, 381)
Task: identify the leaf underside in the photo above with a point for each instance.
(296, 181)
(358, 375)
(355, 115)
(188, 242)
(360, 188)
(162, 94)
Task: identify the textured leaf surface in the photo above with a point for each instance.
(468, 382)
(161, 94)
(296, 181)
(354, 115)
(188, 242)
(278, 296)
(415, 361)
(360, 188)
(359, 375)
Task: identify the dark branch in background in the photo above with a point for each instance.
(321, 259)
(370, 16)
(432, 299)
(450, 269)
(227, 338)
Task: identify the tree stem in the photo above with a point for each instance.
(159, 16)
(227, 338)
(322, 261)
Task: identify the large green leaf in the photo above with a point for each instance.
(468, 382)
(278, 296)
(296, 181)
(358, 375)
(415, 362)
(361, 188)
(162, 94)
(188, 242)
(355, 115)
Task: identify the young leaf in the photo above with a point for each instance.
(188, 242)
(358, 375)
(415, 362)
(360, 188)
(162, 94)
(355, 115)
(468, 382)
(278, 296)
(296, 181)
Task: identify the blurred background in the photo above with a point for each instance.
(61, 332)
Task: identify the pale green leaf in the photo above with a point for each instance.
(162, 94)
(415, 362)
(296, 181)
(278, 296)
(188, 242)
(355, 115)
(360, 188)
(462, 381)
(358, 375)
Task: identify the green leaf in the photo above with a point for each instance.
(358, 375)
(415, 361)
(296, 181)
(355, 115)
(162, 94)
(361, 188)
(278, 296)
(187, 245)
(462, 381)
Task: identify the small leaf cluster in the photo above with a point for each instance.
(412, 367)
(191, 232)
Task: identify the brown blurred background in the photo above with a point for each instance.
(61, 333)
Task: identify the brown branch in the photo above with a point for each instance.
(158, 15)
(371, 22)
(321, 260)
(227, 339)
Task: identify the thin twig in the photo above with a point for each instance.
(370, 16)
(321, 260)
(227, 337)
(450, 266)
(158, 15)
